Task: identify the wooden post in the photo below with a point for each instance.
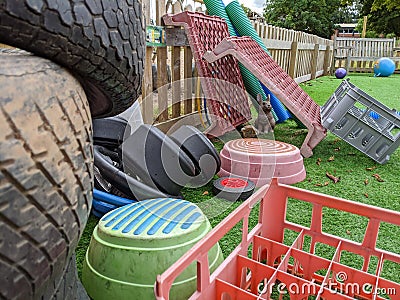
(364, 30)
(147, 88)
(176, 72)
(162, 75)
(327, 59)
(314, 62)
(176, 82)
(333, 60)
(293, 59)
(188, 104)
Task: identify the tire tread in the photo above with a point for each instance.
(104, 45)
(46, 175)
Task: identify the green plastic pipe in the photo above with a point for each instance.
(217, 8)
(253, 86)
(241, 22)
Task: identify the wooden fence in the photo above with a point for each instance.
(302, 56)
(361, 53)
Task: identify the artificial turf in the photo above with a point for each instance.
(336, 157)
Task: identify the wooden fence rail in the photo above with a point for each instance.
(360, 54)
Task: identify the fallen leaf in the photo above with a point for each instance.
(319, 161)
(205, 193)
(366, 181)
(378, 177)
(333, 178)
(337, 149)
(318, 184)
(326, 183)
(351, 154)
(336, 140)
(332, 158)
(366, 195)
(371, 169)
(348, 232)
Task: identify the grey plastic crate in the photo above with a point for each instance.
(348, 115)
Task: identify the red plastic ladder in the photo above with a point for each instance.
(254, 58)
(221, 81)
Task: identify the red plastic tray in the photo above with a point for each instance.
(254, 58)
(272, 263)
(221, 81)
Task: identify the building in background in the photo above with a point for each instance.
(347, 30)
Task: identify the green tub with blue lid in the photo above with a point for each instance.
(134, 243)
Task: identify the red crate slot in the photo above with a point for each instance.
(296, 267)
(221, 82)
(254, 58)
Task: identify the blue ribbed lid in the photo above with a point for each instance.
(153, 219)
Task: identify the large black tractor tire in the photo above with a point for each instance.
(46, 175)
(101, 42)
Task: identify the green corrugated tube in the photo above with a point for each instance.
(241, 22)
(253, 86)
(217, 8)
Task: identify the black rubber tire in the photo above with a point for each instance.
(102, 42)
(45, 174)
(241, 191)
(71, 287)
(157, 160)
(110, 132)
(199, 148)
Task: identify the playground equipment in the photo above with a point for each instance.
(260, 160)
(384, 67)
(201, 151)
(221, 81)
(110, 132)
(350, 114)
(240, 24)
(134, 243)
(233, 188)
(295, 264)
(340, 73)
(157, 160)
(253, 57)
(253, 86)
(244, 27)
(149, 164)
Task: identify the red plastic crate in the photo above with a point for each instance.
(254, 58)
(272, 263)
(221, 81)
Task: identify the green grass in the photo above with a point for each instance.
(350, 164)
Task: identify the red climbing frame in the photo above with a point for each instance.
(221, 81)
(254, 58)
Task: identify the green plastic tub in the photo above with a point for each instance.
(134, 243)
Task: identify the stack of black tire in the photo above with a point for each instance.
(91, 66)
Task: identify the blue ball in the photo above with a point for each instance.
(340, 73)
(384, 67)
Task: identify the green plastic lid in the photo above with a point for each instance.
(163, 221)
